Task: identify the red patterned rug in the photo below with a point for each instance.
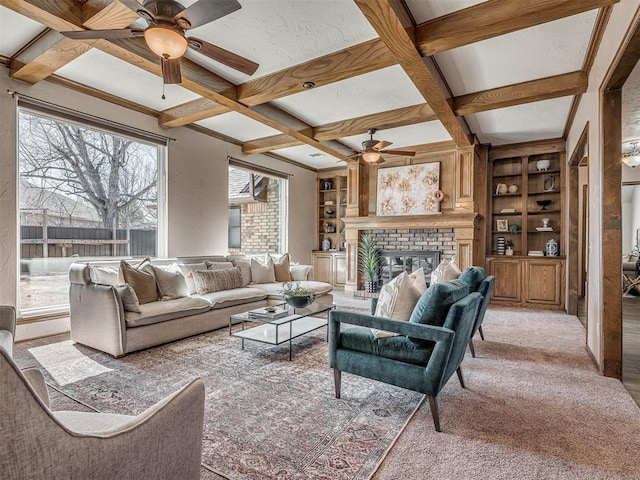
(266, 417)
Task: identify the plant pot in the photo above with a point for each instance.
(508, 252)
(370, 287)
(299, 301)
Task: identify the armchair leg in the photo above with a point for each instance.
(481, 332)
(433, 405)
(460, 377)
(473, 350)
(337, 379)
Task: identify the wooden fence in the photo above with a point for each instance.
(85, 242)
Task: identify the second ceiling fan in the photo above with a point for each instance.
(372, 150)
(167, 21)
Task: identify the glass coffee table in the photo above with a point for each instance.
(291, 323)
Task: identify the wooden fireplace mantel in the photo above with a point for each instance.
(441, 220)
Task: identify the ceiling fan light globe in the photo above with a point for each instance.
(371, 157)
(165, 42)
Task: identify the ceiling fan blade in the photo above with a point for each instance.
(223, 56)
(171, 70)
(381, 145)
(108, 34)
(205, 11)
(404, 153)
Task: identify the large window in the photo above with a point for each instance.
(84, 193)
(257, 211)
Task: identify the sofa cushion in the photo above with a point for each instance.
(235, 296)
(129, 298)
(170, 282)
(472, 276)
(262, 272)
(434, 304)
(281, 268)
(156, 312)
(244, 264)
(143, 283)
(104, 275)
(300, 272)
(6, 341)
(400, 348)
(186, 268)
(274, 290)
(208, 281)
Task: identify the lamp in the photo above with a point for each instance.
(165, 41)
(632, 157)
(372, 156)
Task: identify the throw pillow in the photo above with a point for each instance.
(397, 300)
(218, 265)
(129, 298)
(104, 275)
(170, 282)
(262, 273)
(186, 269)
(418, 280)
(281, 268)
(447, 270)
(208, 281)
(244, 264)
(300, 273)
(143, 283)
(434, 304)
(472, 276)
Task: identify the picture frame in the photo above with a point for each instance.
(502, 225)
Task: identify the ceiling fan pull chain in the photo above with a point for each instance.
(163, 97)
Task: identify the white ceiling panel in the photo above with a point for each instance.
(104, 72)
(631, 106)
(309, 156)
(522, 123)
(378, 91)
(280, 33)
(423, 11)
(16, 31)
(536, 52)
(417, 134)
(236, 125)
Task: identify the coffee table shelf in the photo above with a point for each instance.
(280, 330)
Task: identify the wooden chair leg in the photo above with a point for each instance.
(481, 332)
(473, 350)
(433, 405)
(460, 377)
(337, 380)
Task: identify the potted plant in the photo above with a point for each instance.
(509, 247)
(369, 262)
(297, 296)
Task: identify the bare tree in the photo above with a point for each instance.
(116, 176)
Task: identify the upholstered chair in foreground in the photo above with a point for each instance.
(7, 328)
(162, 443)
(423, 357)
(478, 282)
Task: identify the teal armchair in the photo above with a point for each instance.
(422, 358)
(475, 278)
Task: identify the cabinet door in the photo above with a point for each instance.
(322, 267)
(544, 280)
(508, 286)
(340, 270)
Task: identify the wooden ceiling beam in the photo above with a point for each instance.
(573, 83)
(390, 29)
(350, 62)
(493, 18)
(399, 117)
(276, 142)
(191, 112)
(52, 51)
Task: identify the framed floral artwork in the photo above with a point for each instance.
(409, 190)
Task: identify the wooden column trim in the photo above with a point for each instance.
(464, 201)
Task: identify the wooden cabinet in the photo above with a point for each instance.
(332, 204)
(330, 267)
(528, 281)
(526, 204)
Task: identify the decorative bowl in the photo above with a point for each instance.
(270, 309)
(543, 203)
(299, 301)
(543, 165)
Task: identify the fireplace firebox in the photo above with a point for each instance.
(394, 262)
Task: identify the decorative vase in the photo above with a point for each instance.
(549, 183)
(552, 248)
(513, 188)
(299, 301)
(501, 189)
(326, 244)
(509, 252)
(328, 185)
(500, 245)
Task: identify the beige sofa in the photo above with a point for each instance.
(101, 320)
(7, 328)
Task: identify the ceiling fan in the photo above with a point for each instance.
(372, 149)
(167, 20)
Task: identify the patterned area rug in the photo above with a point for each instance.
(266, 417)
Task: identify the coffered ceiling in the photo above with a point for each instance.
(422, 72)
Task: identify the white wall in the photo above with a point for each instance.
(197, 182)
(589, 111)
